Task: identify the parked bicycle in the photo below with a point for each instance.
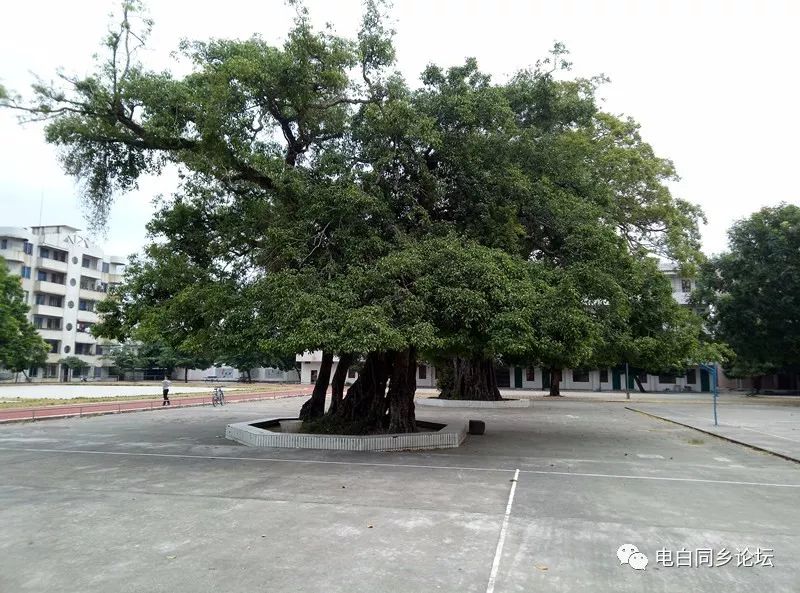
(218, 397)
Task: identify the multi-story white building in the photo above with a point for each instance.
(64, 275)
(682, 287)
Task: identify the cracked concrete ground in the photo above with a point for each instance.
(162, 502)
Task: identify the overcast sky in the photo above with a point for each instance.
(713, 83)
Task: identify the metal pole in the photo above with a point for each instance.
(627, 383)
(715, 392)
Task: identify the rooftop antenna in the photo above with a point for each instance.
(41, 206)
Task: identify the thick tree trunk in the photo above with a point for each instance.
(364, 408)
(402, 386)
(757, 384)
(472, 379)
(555, 381)
(186, 375)
(337, 384)
(315, 406)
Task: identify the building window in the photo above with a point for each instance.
(33, 371)
(666, 378)
(47, 322)
(604, 375)
(26, 271)
(44, 252)
(27, 248)
(60, 255)
(3, 243)
(686, 286)
(105, 267)
(39, 298)
(56, 301)
(85, 349)
(67, 349)
(530, 374)
(691, 376)
(84, 305)
(580, 376)
(314, 373)
(423, 371)
(98, 350)
(40, 275)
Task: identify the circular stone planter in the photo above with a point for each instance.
(276, 432)
(468, 403)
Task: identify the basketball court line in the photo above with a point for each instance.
(502, 538)
(398, 466)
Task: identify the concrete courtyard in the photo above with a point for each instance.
(161, 502)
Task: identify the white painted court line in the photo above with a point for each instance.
(777, 436)
(502, 539)
(395, 465)
(658, 478)
(264, 459)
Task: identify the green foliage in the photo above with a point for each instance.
(751, 294)
(21, 347)
(73, 363)
(326, 204)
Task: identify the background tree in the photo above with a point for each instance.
(751, 294)
(72, 364)
(124, 357)
(21, 347)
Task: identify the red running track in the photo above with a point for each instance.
(140, 405)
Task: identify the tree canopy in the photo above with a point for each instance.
(327, 204)
(751, 293)
(21, 347)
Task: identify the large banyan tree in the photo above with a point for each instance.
(326, 204)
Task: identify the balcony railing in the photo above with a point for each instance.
(46, 263)
(14, 255)
(50, 287)
(49, 310)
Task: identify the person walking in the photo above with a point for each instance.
(165, 391)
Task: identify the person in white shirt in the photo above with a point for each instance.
(165, 391)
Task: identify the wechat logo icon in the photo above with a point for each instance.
(630, 555)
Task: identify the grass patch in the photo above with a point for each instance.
(696, 441)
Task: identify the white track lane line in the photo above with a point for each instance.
(502, 539)
(397, 465)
